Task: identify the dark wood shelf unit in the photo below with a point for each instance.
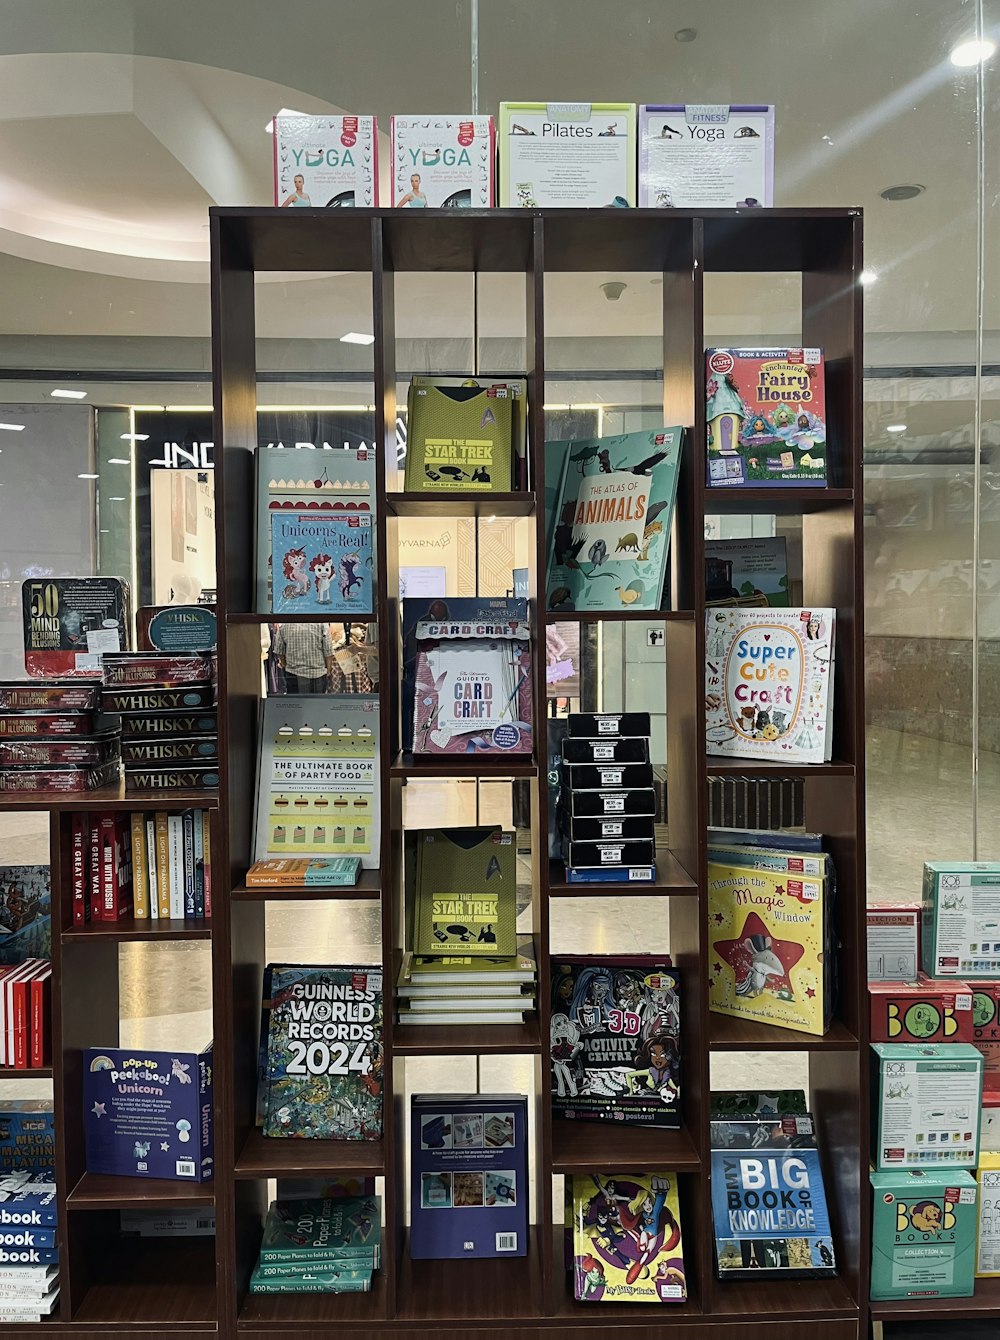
(503, 1289)
(40, 1072)
(778, 502)
(722, 766)
(255, 620)
(727, 1033)
(983, 1306)
(616, 616)
(482, 505)
(328, 1313)
(260, 1156)
(149, 1285)
(457, 767)
(96, 1191)
(113, 797)
(588, 1146)
(467, 1039)
(143, 928)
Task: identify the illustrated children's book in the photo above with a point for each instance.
(748, 572)
(567, 154)
(27, 1136)
(326, 162)
(70, 621)
(458, 438)
(769, 683)
(317, 778)
(608, 507)
(25, 913)
(467, 676)
(322, 562)
(443, 162)
(468, 1176)
(923, 1234)
(768, 1200)
(335, 486)
(340, 1230)
(960, 932)
(148, 1113)
(615, 1040)
(766, 411)
(626, 1238)
(323, 1071)
(465, 892)
(925, 1104)
(988, 1243)
(773, 947)
(716, 156)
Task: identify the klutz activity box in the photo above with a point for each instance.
(923, 1234)
(766, 414)
(961, 919)
(925, 1105)
(921, 1011)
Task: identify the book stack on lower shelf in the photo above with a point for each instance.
(462, 990)
(319, 1246)
(29, 1235)
(25, 1014)
(150, 866)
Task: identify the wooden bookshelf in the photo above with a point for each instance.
(146, 1288)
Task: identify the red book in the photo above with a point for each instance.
(81, 902)
(19, 1009)
(13, 1002)
(95, 892)
(116, 867)
(41, 1013)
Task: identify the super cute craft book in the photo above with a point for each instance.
(769, 683)
(609, 504)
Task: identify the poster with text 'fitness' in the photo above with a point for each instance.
(706, 156)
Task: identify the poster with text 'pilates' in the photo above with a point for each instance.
(571, 154)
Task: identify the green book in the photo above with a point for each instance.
(465, 892)
(343, 1231)
(325, 1279)
(459, 969)
(458, 438)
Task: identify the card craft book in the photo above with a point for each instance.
(625, 1238)
(766, 414)
(335, 488)
(459, 438)
(782, 1231)
(323, 1067)
(467, 676)
(317, 778)
(466, 892)
(769, 683)
(608, 509)
(772, 948)
(615, 1040)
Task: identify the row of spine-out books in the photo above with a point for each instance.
(319, 1245)
(26, 1014)
(29, 1229)
(150, 866)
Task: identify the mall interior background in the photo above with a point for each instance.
(122, 123)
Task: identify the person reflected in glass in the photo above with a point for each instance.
(305, 654)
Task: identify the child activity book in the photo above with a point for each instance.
(769, 683)
(626, 1238)
(608, 505)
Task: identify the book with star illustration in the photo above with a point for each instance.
(148, 1113)
(460, 439)
(769, 683)
(772, 947)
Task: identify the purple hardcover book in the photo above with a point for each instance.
(149, 1114)
(469, 1175)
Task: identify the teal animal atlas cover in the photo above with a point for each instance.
(609, 505)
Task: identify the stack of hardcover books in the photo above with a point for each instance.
(29, 1254)
(319, 1246)
(462, 989)
(607, 803)
(150, 866)
(53, 737)
(168, 719)
(25, 1012)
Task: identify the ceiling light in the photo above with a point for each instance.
(61, 394)
(895, 428)
(119, 460)
(12, 427)
(356, 337)
(285, 111)
(116, 500)
(976, 52)
(905, 192)
(88, 476)
(135, 437)
(867, 277)
(685, 34)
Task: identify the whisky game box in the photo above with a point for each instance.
(140, 700)
(921, 1011)
(153, 725)
(170, 749)
(171, 776)
(149, 1113)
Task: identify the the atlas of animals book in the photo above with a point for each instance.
(300, 483)
(625, 1231)
(609, 504)
(615, 1037)
(769, 683)
(465, 892)
(317, 777)
(772, 947)
(322, 562)
(467, 675)
(323, 1068)
(459, 438)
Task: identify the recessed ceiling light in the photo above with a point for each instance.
(61, 394)
(88, 476)
(895, 428)
(356, 337)
(285, 111)
(116, 500)
(867, 277)
(135, 437)
(119, 460)
(12, 427)
(905, 192)
(976, 52)
(685, 34)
